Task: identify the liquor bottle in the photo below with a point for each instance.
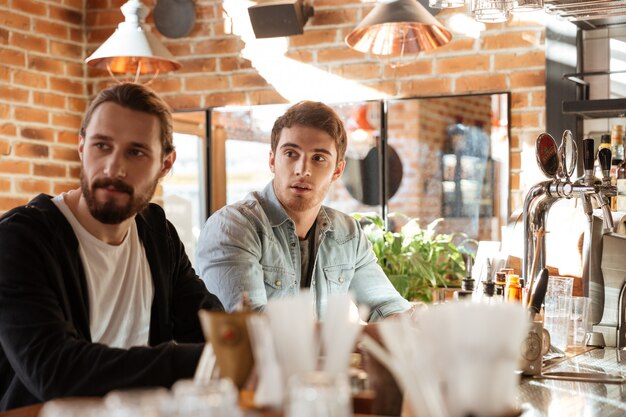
(513, 289)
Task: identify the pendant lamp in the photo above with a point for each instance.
(396, 28)
(132, 48)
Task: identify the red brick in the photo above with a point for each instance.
(222, 46)
(96, 4)
(66, 86)
(5, 111)
(225, 99)
(74, 171)
(202, 65)
(184, 102)
(62, 187)
(166, 85)
(425, 87)
(179, 49)
(265, 97)
(49, 170)
(14, 20)
(364, 71)
(76, 104)
(528, 79)
(74, 17)
(509, 39)
(12, 57)
(30, 79)
(519, 100)
(337, 54)
(74, 4)
(77, 35)
(30, 7)
(29, 114)
(49, 100)
(206, 83)
(66, 50)
(514, 182)
(74, 69)
(248, 80)
(205, 12)
(56, 30)
(7, 129)
(538, 98)
(66, 120)
(50, 65)
(13, 94)
(516, 161)
(7, 203)
(334, 17)
(520, 60)
(30, 150)
(4, 36)
(526, 119)
(228, 64)
(14, 167)
(313, 37)
(28, 42)
(463, 64)
(97, 36)
(301, 56)
(410, 69)
(5, 74)
(37, 133)
(33, 186)
(65, 154)
(455, 45)
(5, 185)
(5, 147)
(70, 137)
(385, 87)
(480, 83)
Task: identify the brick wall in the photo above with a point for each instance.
(42, 97)
(44, 86)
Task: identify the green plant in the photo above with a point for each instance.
(416, 259)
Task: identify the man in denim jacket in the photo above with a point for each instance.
(280, 240)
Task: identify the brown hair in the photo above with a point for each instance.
(140, 98)
(315, 115)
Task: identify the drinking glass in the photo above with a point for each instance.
(214, 398)
(557, 321)
(579, 321)
(318, 394)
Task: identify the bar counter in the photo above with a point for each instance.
(537, 397)
(552, 398)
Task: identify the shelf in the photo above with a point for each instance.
(596, 109)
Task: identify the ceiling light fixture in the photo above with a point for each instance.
(396, 28)
(491, 11)
(132, 48)
(279, 18)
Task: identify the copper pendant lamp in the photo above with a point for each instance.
(396, 28)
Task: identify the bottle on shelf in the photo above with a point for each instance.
(513, 289)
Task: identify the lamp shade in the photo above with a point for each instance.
(132, 48)
(396, 28)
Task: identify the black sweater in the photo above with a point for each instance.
(45, 343)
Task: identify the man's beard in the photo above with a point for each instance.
(110, 212)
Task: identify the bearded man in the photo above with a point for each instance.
(278, 241)
(96, 292)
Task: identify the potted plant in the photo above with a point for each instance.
(416, 259)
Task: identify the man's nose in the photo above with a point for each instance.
(303, 167)
(115, 166)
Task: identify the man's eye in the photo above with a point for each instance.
(101, 145)
(289, 153)
(319, 158)
(137, 152)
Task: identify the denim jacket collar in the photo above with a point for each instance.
(277, 215)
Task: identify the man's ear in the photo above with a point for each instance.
(81, 146)
(272, 160)
(339, 170)
(167, 164)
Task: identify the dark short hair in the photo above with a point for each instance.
(140, 98)
(315, 115)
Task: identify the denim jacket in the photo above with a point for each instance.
(252, 246)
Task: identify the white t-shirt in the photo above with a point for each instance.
(119, 284)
